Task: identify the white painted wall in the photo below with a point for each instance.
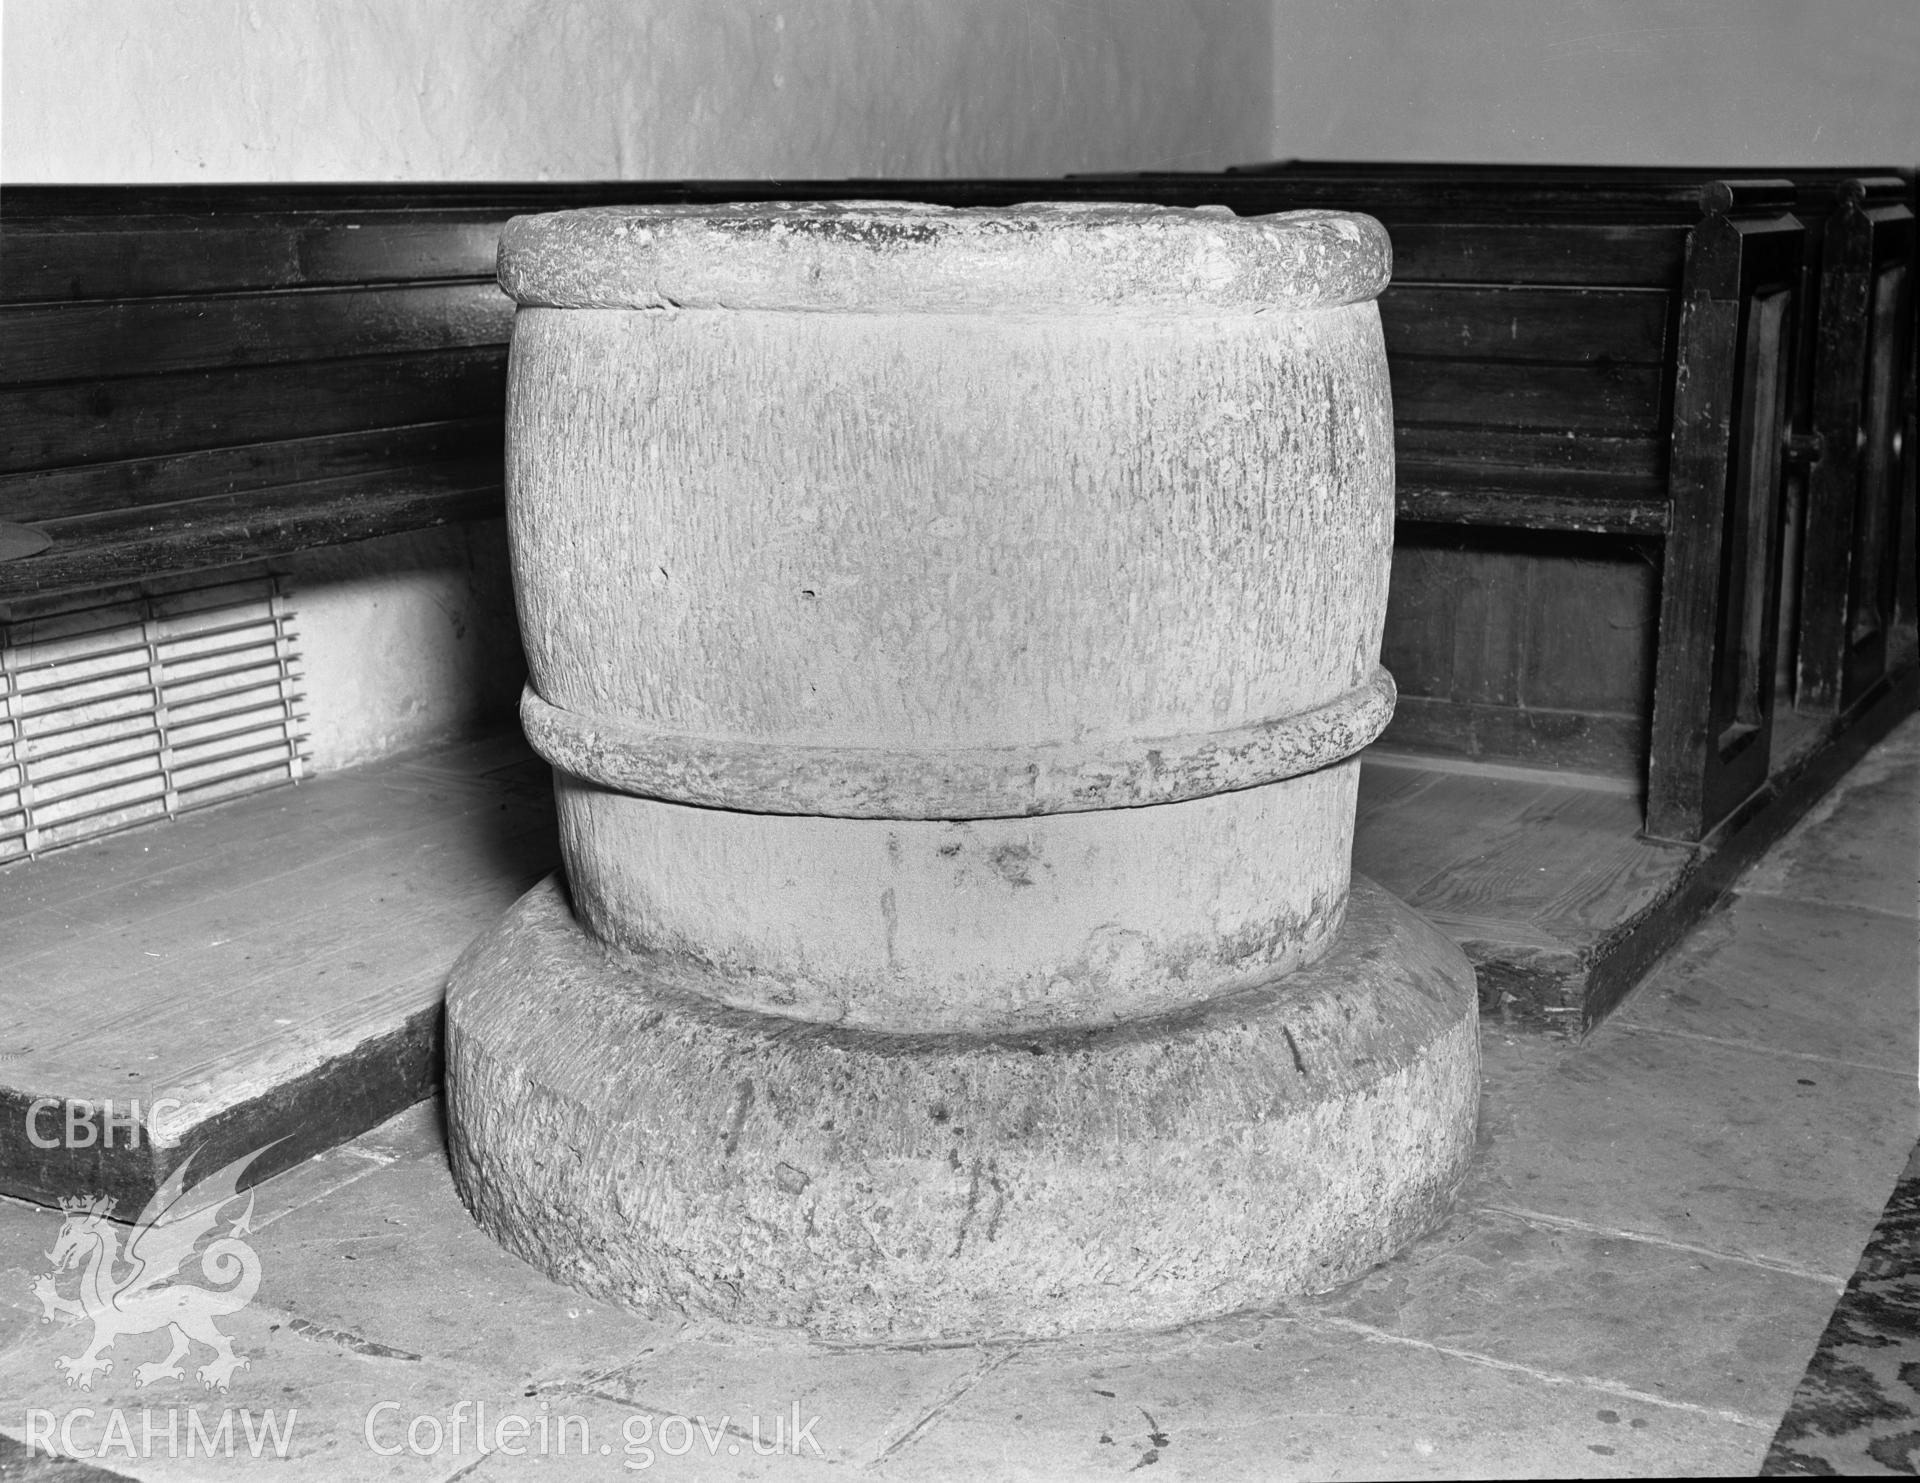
(1644, 82)
(406, 640)
(410, 640)
(267, 90)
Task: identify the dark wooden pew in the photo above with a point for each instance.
(1850, 507)
(1860, 509)
(193, 376)
(1845, 508)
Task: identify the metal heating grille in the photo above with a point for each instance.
(118, 713)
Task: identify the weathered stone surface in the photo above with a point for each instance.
(881, 256)
(908, 531)
(954, 782)
(621, 1131)
(1080, 918)
(964, 553)
(952, 632)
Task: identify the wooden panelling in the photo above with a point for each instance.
(1572, 504)
(134, 417)
(1488, 192)
(1576, 254)
(1452, 446)
(1566, 326)
(1590, 639)
(1522, 642)
(1713, 695)
(70, 342)
(1504, 394)
(1849, 576)
(95, 550)
(49, 494)
(80, 258)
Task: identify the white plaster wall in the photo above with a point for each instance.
(1645, 82)
(410, 640)
(405, 640)
(267, 90)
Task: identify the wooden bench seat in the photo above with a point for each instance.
(244, 524)
(191, 376)
(140, 328)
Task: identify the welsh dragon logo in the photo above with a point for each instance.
(135, 1291)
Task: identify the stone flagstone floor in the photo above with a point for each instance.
(1659, 1221)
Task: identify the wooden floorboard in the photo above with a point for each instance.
(280, 909)
(1553, 892)
(275, 964)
